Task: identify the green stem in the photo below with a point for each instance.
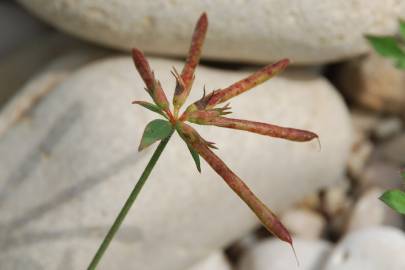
(125, 209)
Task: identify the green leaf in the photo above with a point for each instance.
(400, 63)
(150, 106)
(386, 46)
(196, 157)
(403, 174)
(156, 130)
(402, 28)
(395, 199)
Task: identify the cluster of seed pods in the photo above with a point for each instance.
(205, 112)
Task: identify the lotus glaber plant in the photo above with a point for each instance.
(205, 111)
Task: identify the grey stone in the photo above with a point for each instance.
(304, 223)
(69, 162)
(308, 32)
(372, 249)
(276, 255)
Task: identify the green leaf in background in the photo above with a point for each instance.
(402, 28)
(196, 157)
(395, 199)
(386, 46)
(403, 174)
(156, 130)
(400, 63)
(149, 106)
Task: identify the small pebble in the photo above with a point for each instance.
(216, 261)
(370, 211)
(304, 223)
(387, 128)
(376, 248)
(336, 199)
(361, 151)
(394, 150)
(274, 254)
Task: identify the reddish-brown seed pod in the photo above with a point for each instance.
(246, 84)
(291, 134)
(153, 87)
(265, 215)
(143, 68)
(187, 75)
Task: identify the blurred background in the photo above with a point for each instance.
(69, 135)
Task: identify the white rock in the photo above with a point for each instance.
(216, 261)
(361, 151)
(369, 211)
(67, 167)
(372, 249)
(336, 199)
(304, 223)
(312, 201)
(276, 255)
(309, 31)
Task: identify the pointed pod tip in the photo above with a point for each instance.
(203, 17)
(136, 52)
(282, 64)
(295, 254)
(202, 22)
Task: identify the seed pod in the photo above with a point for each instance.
(185, 80)
(153, 87)
(291, 134)
(265, 215)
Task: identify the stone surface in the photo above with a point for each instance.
(369, 212)
(372, 249)
(309, 31)
(216, 261)
(276, 255)
(374, 83)
(304, 223)
(382, 174)
(336, 199)
(393, 150)
(69, 162)
(364, 121)
(360, 154)
(387, 127)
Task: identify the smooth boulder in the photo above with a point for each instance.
(307, 31)
(69, 162)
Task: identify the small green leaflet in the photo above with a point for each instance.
(402, 28)
(386, 46)
(156, 130)
(395, 199)
(149, 106)
(196, 157)
(403, 174)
